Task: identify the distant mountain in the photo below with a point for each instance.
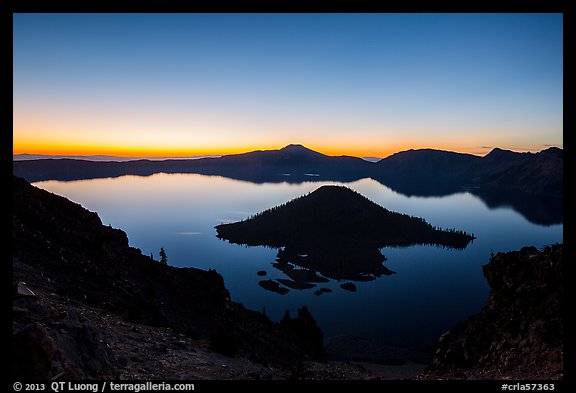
(73, 169)
(433, 172)
(292, 157)
(293, 163)
(424, 172)
(422, 161)
(531, 173)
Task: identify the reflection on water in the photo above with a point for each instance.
(433, 288)
(336, 261)
(341, 262)
(537, 209)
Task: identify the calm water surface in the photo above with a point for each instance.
(433, 288)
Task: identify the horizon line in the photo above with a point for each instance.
(199, 156)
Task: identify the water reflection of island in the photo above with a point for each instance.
(333, 233)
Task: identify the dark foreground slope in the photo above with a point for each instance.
(519, 333)
(73, 267)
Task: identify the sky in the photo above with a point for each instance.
(354, 84)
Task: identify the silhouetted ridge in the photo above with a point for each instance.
(532, 183)
(296, 146)
(290, 151)
(497, 154)
(299, 149)
(553, 152)
(287, 164)
(425, 171)
(538, 174)
(420, 156)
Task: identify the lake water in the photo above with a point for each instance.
(432, 289)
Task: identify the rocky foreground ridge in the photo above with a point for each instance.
(87, 305)
(519, 333)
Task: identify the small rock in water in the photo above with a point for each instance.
(348, 286)
(273, 286)
(261, 273)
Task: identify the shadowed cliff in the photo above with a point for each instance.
(519, 333)
(66, 262)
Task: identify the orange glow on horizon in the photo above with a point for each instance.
(139, 140)
(331, 148)
(131, 151)
(136, 152)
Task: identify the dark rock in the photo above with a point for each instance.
(261, 273)
(519, 333)
(121, 362)
(23, 290)
(224, 341)
(33, 351)
(349, 286)
(84, 348)
(74, 347)
(180, 344)
(273, 286)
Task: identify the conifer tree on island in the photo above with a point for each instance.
(163, 257)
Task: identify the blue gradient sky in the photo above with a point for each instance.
(359, 84)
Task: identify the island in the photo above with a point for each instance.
(337, 233)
